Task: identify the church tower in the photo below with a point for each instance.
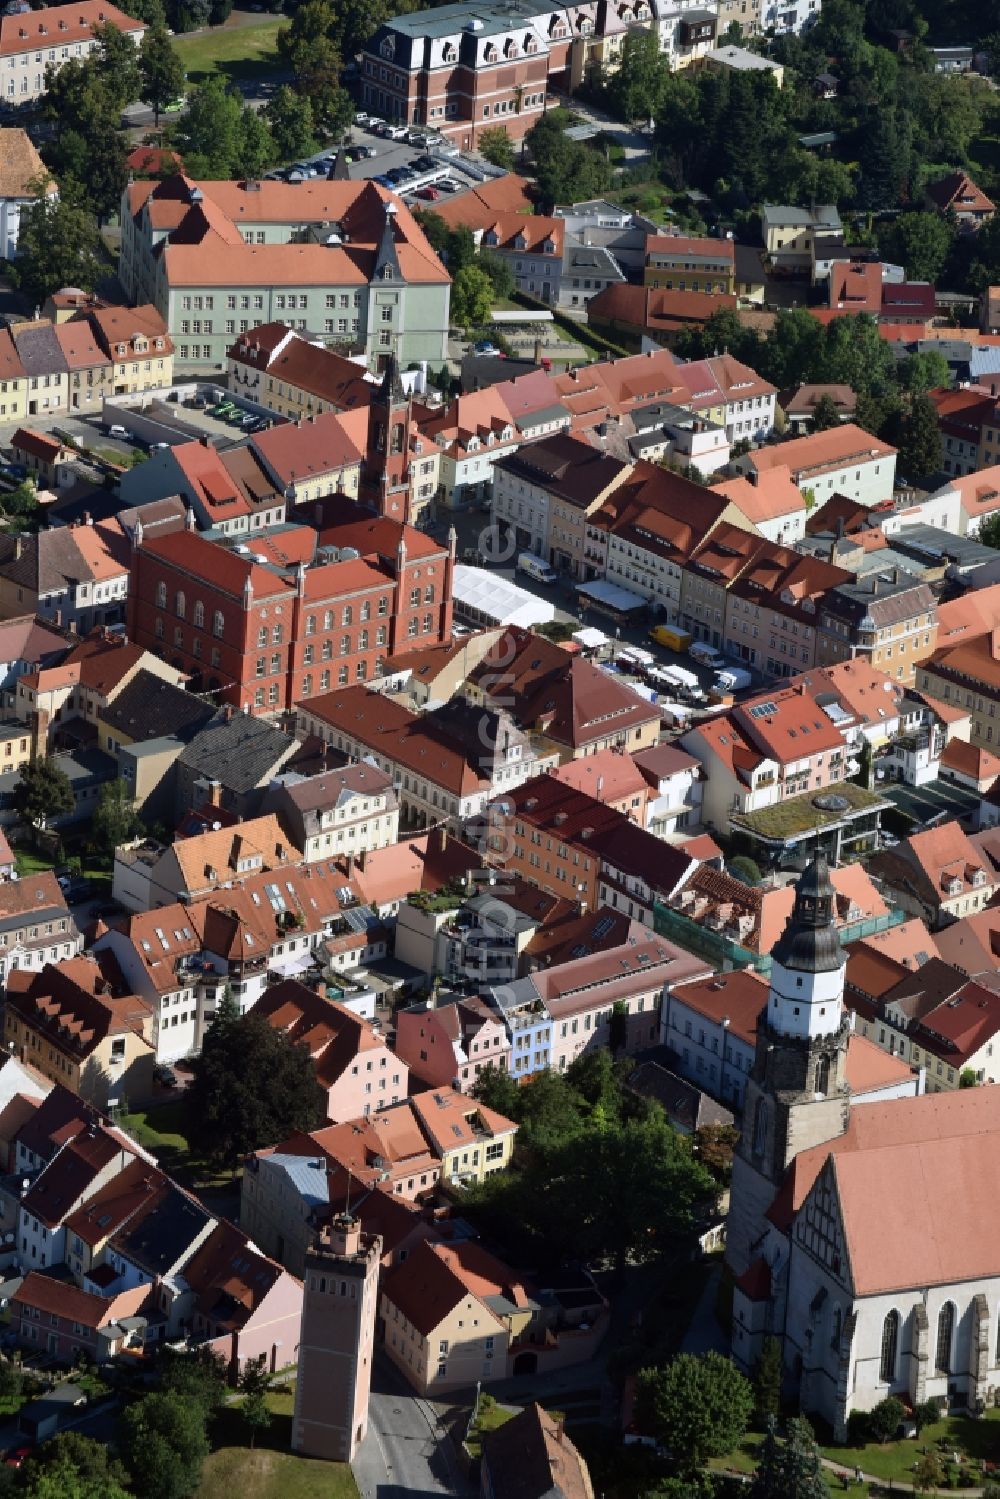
(797, 1094)
(385, 475)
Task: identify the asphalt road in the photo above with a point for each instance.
(406, 1451)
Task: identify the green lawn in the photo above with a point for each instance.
(31, 861)
(270, 1471)
(161, 1129)
(236, 51)
(978, 1441)
(491, 1417)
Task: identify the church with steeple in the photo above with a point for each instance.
(864, 1227)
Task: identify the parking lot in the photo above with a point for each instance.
(417, 164)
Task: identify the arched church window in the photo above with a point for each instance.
(945, 1337)
(890, 1347)
(759, 1127)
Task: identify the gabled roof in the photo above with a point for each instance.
(958, 192)
(150, 708)
(566, 698)
(239, 751)
(437, 1278)
(333, 1034)
(70, 1005)
(531, 1457)
(20, 164)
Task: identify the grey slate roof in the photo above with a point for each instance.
(239, 752)
(150, 708)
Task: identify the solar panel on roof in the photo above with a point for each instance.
(763, 710)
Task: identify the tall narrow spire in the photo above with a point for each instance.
(386, 259)
(810, 943)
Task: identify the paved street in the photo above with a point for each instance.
(406, 1451)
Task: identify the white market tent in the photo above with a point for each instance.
(604, 595)
(487, 599)
(590, 639)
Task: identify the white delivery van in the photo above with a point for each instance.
(674, 715)
(535, 567)
(733, 679)
(706, 655)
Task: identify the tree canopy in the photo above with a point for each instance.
(58, 245)
(252, 1086)
(598, 1174)
(43, 791)
(164, 1445)
(698, 1407)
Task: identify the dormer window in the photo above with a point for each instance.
(121, 349)
(387, 273)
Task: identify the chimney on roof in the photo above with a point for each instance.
(205, 440)
(362, 859)
(350, 865)
(190, 523)
(442, 838)
(215, 793)
(88, 519)
(321, 989)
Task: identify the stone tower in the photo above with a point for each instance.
(336, 1342)
(797, 1094)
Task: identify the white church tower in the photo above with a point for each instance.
(797, 1094)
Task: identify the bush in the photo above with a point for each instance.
(884, 1419)
(858, 1429)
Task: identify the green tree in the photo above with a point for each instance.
(924, 371)
(989, 531)
(884, 158)
(925, 1413)
(58, 245)
(884, 1418)
(252, 1086)
(500, 274)
(921, 242)
(256, 151)
(826, 414)
(209, 135)
(792, 1469)
(497, 1090)
(43, 791)
(967, 1078)
(115, 61)
(471, 298)
(20, 507)
(253, 1387)
(85, 1459)
(928, 1472)
(637, 88)
(115, 819)
(199, 1376)
(698, 1407)
(745, 869)
(11, 1379)
(565, 170)
(497, 147)
(290, 117)
(62, 1481)
(920, 446)
(767, 1380)
(164, 1445)
(309, 50)
(160, 69)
